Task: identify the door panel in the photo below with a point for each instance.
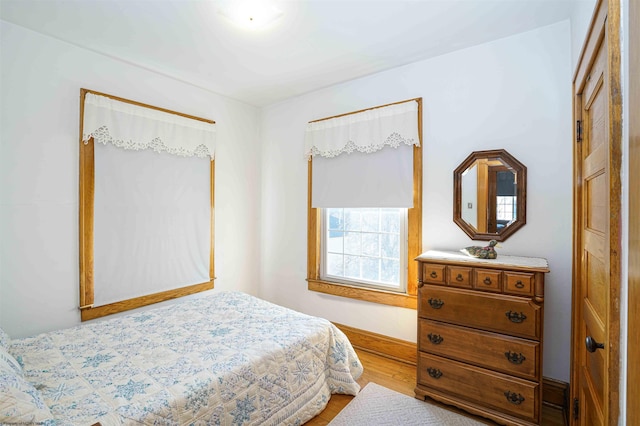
(593, 243)
(595, 161)
(597, 286)
(592, 81)
(597, 120)
(591, 416)
(595, 213)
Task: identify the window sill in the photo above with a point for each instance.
(366, 294)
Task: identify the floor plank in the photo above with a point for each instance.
(401, 377)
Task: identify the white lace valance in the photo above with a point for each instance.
(369, 176)
(368, 131)
(135, 127)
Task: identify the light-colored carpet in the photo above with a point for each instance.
(376, 405)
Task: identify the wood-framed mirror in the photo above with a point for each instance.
(490, 195)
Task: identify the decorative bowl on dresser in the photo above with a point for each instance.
(480, 324)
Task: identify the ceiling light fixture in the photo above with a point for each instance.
(250, 14)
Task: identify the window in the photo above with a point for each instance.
(506, 210)
(358, 249)
(146, 204)
(365, 247)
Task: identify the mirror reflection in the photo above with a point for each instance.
(490, 195)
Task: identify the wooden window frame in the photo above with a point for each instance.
(414, 242)
(86, 225)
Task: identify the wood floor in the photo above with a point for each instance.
(401, 377)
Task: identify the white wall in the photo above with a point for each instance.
(580, 20)
(41, 79)
(513, 93)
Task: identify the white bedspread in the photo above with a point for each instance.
(223, 359)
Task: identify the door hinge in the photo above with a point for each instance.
(576, 408)
(579, 131)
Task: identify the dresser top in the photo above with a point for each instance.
(503, 260)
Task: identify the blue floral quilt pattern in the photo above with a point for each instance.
(224, 359)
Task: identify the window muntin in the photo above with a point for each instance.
(365, 247)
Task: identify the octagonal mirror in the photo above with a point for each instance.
(490, 195)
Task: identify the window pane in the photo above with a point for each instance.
(352, 219)
(371, 220)
(390, 220)
(335, 264)
(371, 244)
(335, 219)
(371, 268)
(390, 271)
(352, 266)
(390, 245)
(335, 241)
(352, 244)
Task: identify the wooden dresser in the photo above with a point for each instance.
(480, 326)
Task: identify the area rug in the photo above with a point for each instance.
(377, 405)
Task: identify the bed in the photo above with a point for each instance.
(226, 358)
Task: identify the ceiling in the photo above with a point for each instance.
(314, 44)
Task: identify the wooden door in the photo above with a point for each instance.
(596, 318)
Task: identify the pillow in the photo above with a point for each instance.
(8, 364)
(4, 339)
(21, 403)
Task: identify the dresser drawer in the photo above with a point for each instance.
(434, 274)
(519, 283)
(504, 314)
(459, 276)
(488, 280)
(510, 355)
(507, 394)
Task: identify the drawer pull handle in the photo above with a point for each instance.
(433, 274)
(487, 281)
(434, 372)
(519, 284)
(515, 316)
(436, 339)
(459, 278)
(515, 358)
(514, 398)
(436, 303)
